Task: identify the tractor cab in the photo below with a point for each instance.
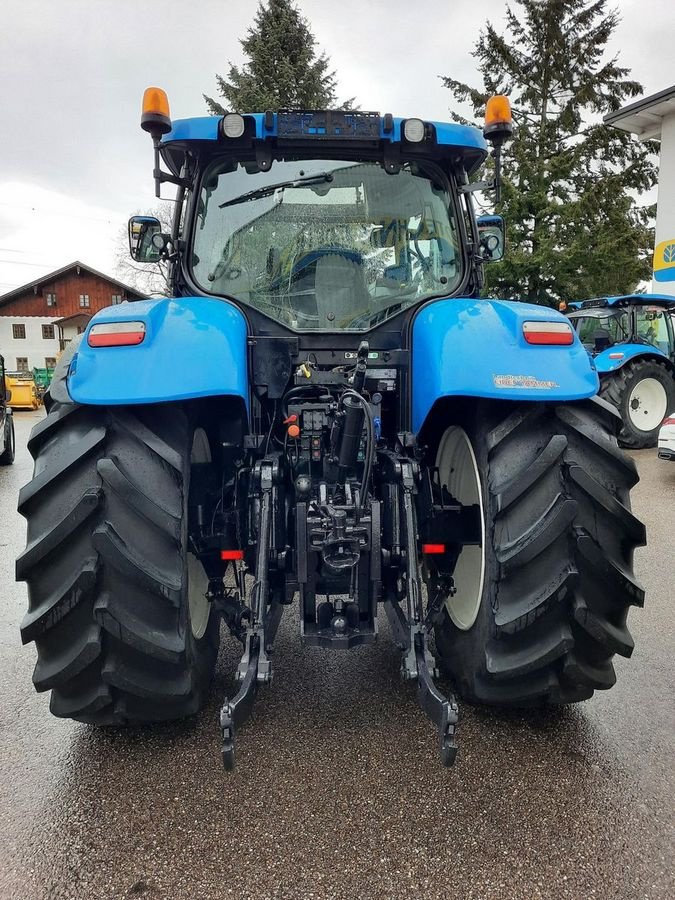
(323, 222)
(641, 321)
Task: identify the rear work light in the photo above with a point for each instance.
(548, 333)
(233, 125)
(116, 334)
(414, 130)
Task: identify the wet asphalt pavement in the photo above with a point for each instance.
(338, 791)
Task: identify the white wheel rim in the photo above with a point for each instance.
(647, 404)
(198, 585)
(198, 582)
(458, 471)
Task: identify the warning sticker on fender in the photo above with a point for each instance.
(523, 382)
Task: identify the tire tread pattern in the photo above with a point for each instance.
(105, 569)
(562, 537)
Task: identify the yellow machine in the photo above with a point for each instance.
(22, 389)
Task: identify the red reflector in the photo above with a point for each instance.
(116, 334)
(116, 340)
(548, 333)
(231, 554)
(433, 548)
(668, 421)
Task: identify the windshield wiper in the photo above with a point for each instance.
(268, 189)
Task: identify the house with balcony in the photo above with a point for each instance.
(38, 319)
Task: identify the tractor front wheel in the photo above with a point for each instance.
(644, 394)
(540, 608)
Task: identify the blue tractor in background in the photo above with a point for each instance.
(632, 343)
(325, 414)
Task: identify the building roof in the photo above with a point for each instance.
(644, 117)
(50, 276)
(80, 315)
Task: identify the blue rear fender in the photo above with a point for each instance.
(193, 347)
(615, 357)
(476, 348)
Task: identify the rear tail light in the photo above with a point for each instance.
(433, 549)
(669, 420)
(231, 554)
(116, 334)
(548, 333)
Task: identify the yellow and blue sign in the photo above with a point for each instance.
(664, 261)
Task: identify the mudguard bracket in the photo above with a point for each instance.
(417, 662)
(255, 665)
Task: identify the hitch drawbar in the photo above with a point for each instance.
(405, 613)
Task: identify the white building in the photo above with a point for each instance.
(29, 342)
(654, 119)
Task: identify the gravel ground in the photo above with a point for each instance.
(338, 791)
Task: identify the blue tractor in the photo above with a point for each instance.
(325, 414)
(632, 344)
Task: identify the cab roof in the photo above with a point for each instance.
(346, 128)
(627, 300)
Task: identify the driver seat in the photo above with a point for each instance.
(340, 288)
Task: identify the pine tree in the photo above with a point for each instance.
(574, 227)
(282, 71)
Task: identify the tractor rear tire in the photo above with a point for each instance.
(110, 608)
(622, 390)
(557, 579)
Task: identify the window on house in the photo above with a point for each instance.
(51, 299)
(19, 332)
(50, 362)
(22, 364)
(84, 301)
(81, 329)
(115, 299)
(48, 332)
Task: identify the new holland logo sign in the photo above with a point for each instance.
(664, 261)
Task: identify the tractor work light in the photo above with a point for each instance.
(116, 334)
(548, 333)
(155, 117)
(233, 125)
(414, 130)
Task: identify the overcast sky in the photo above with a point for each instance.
(74, 163)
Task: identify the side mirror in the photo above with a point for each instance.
(491, 237)
(143, 246)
